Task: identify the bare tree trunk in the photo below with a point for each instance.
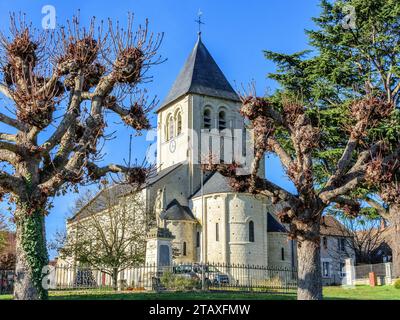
(31, 254)
(115, 279)
(394, 220)
(309, 270)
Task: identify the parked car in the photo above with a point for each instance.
(185, 271)
(213, 276)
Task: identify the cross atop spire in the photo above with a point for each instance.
(199, 22)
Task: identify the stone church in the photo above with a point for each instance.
(209, 222)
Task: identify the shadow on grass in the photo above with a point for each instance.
(171, 296)
(330, 293)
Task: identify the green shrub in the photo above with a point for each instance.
(275, 281)
(178, 283)
(397, 284)
(167, 279)
(182, 284)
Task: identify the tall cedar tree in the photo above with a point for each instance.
(59, 87)
(346, 64)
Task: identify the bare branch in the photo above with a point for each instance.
(5, 91)
(382, 211)
(13, 122)
(10, 183)
(344, 161)
(285, 158)
(8, 137)
(349, 183)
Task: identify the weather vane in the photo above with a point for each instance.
(199, 14)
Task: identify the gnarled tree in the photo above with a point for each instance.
(294, 134)
(348, 63)
(59, 87)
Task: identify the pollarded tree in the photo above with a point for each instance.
(355, 53)
(303, 136)
(59, 87)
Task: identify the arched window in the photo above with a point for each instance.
(198, 239)
(207, 119)
(184, 248)
(221, 120)
(251, 231)
(170, 128)
(216, 232)
(283, 254)
(178, 123)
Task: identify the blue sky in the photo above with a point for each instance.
(235, 32)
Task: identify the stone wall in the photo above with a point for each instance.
(233, 213)
(244, 208)
(183, 231)
(278, 241)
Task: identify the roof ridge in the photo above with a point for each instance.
(194, 51)
(201, 75)
(204, 182)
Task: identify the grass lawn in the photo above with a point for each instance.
(330, 293)
(362, 293)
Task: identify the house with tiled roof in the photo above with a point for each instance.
(336, 247)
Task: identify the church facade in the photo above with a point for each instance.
(210, 222)
(200, 218)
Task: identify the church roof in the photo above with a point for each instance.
(161, 174)
(200, 75)
(273, 225)
(214, 183)
(111, 195)
(217, 183)
(104, 199)
(175, 211)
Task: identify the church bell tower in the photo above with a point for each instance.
(201, 103)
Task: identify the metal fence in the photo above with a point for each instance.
(6, 281)
(212, 277)
(383, 273)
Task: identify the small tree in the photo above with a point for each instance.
(59, 88)
(7, 245)
(3, 232)
(3, 229)
(108, 233)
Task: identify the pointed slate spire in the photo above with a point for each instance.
(200, 75)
